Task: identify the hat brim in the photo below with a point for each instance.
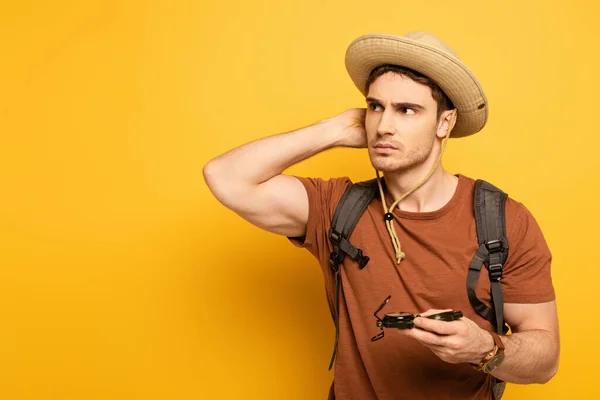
(456, 80)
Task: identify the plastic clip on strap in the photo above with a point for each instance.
(489, 205)
(354, 201)
(341, 246)
(495, 249)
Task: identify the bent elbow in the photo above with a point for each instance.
(549, 374)
(210, 174)
(226, 190)
(213, 177)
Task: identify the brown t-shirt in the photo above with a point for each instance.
(439, 246)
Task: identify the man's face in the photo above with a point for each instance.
(401, 123)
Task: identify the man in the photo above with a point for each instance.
(419, 232)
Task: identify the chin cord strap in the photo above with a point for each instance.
(388, 216)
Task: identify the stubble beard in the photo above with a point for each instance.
(400, 161)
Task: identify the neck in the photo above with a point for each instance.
(431, 196)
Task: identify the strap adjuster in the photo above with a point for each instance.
(495, 271)
(361, 259)
(494, 246)
(335, 236)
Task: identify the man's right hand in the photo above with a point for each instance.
(352, 128)
(249, 180)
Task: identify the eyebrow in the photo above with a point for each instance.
(398, 105)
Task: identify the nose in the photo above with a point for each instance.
(386, 124)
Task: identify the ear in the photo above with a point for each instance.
(446, 123)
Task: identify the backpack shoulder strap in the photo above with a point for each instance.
(353, 203)
(490, 220)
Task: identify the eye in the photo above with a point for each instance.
(407, 111)
(374, 107)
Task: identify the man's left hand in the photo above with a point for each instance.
(455, 342)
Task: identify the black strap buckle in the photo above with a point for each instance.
(335, 259)
(495, 271)
(361, 259)
(335, 236)
(494, 246)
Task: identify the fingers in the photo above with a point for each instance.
(446, 347)
(362, 112)
(452, 341)
(425, 337)
(439, 327)
(432, 311)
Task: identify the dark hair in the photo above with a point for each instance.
(443, 102)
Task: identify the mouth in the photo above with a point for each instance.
(384, 148)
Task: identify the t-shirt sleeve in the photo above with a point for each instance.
(323, 196)
(527, 273)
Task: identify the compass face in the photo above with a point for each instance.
(400, 315)
(400, 320)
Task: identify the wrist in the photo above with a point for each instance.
(322, 135)
(486, 345)
(333, 132)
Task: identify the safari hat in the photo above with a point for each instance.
(427, 54)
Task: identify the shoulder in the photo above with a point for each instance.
(325, 192)
(322, 182)
(520, 221)
(326, 185)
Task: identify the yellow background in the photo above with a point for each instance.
(121, 277)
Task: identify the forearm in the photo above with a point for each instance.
(249, 181)
(530, 357)
(530, 354)
(261, 160)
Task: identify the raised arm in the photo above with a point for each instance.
(249, 179)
